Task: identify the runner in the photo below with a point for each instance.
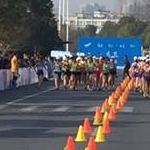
(57, 73)
(39, 67)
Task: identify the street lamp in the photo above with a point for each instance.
(63, 19)
(67, 26)
(59, 16)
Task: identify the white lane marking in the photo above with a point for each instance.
(127, 109)
(28, 96)
(28, 109)
(38, 118)
(91, 109)
(2, 106)
(24, 98)
(5, 129)
(48, 131)
(22, 128)
(61, 109)
(54, 103)
(80, 96)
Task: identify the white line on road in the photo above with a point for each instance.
(24, 98)
(54, 103)
(61, 109)
(29, 96)
(127, 109)
(29, 109)
(2, 106)
(91, 109)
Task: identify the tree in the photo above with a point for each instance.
(125, 20)
(109, 29)
(135, 28)
(73, 36)
(146, 37)
(28, 24)
(89, 30)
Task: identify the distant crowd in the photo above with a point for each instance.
(23, 60)
(92, 72)
(15, 60)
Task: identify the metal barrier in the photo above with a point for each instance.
(27, 76)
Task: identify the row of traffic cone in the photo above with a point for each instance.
(102, 117)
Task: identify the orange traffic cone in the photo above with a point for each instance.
(122, 85)
(106, 104)
(118, 106)
(100, 137)
(113, 97)
(91, 144)
(86, 148)
(106, 127)
(112, 114)
(80, 135)
(110, 101)
(87, 126)
(65, 148)
(105, 117)
(70, 144)
(103, 109)
(118, 91)
(97, 116)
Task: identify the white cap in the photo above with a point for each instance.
(143, 58)
(94, 57)
(147, 56)
(64, 58)
(78, 58)
(135, 58)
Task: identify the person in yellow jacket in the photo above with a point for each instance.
(14, 70)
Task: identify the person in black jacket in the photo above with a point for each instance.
(126, 67)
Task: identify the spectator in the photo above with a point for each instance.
(1, 60)
(126, 67)
(14, 70)
(6, 62)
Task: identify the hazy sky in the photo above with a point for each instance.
(74, 4)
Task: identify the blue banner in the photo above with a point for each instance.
(111, 46)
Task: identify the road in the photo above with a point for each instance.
(32, 119)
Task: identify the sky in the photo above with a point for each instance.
(74, 4)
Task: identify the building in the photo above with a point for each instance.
(98, 19)
(91, 8)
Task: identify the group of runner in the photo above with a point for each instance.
(140, 72)
(95, 73)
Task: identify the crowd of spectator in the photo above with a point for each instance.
(24, 60)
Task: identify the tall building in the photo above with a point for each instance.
(91, 8)
(120, 6)
(98, 19)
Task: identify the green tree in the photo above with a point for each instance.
(109, 29)
(126, 20)
(73, 36)
(28, 24)
(132, 28)
(146, 37)
(89, 30)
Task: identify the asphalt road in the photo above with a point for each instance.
(32, 119)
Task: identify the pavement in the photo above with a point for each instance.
(33, 119)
